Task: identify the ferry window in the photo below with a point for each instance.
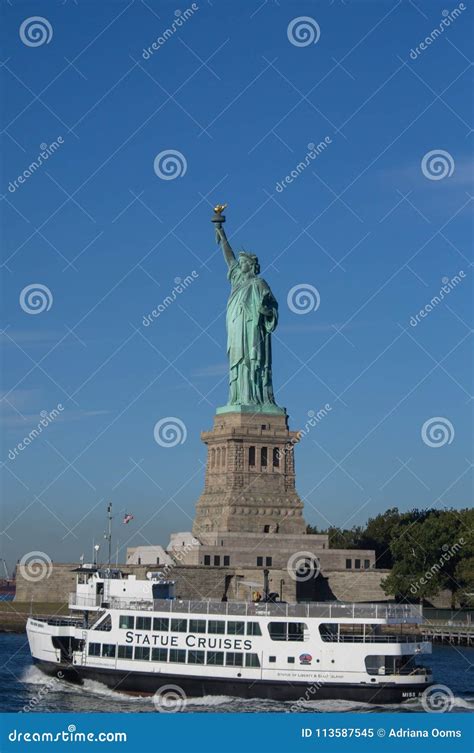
(278, 631)
(253, 628)
(268, 561)
(207, 559)
(366, 564)
(215, 658)
(159, 654)
(108, 649)
(259, 561)
(179, 626)
(226, 560)
(177, 655)
(296, 631)
(264, 457)
(266, 529)
(252, 660)
(126, 622)
(251, 456)
(276, 457)
(287, 631)
(142, 652)
(272, 659)
(217, 560)
(348, 564)
(357, 564)
(375, 665)
(125, 652)
(143, 623)
(328, 631)
(236, 628)
(233, 659)
(197, 626)
(291, 660)
(161, 623)
(94, 649)
(216, 626)
(195, 657)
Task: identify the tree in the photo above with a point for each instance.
(426, 554)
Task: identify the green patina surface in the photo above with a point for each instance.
(252, 316)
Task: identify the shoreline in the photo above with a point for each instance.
(14, 614)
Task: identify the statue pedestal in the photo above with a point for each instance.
(269, 408)
(250, 475)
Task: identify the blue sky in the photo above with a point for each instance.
(363, 224)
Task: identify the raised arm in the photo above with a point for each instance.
(229, 255)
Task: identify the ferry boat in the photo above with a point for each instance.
(136, 637)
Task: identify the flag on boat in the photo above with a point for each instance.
(127, 517)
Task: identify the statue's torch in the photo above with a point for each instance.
(218, 218)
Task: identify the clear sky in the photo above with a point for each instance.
(374, 223)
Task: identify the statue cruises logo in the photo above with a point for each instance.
(306, 659)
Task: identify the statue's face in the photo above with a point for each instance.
(245, 264)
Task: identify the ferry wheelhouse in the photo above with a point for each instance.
(136, 637)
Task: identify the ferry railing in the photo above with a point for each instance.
(371, 639)
(395, 613)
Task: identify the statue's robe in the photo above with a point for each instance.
(249, 339)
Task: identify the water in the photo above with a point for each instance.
(22, 685)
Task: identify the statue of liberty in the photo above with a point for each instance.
(252, 315)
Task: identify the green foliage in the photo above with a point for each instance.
(430, 553)
(426, 550)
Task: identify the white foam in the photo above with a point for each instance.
(34, 676)
(211, 700)
(96, 688)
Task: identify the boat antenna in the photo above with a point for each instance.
(108, 535)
